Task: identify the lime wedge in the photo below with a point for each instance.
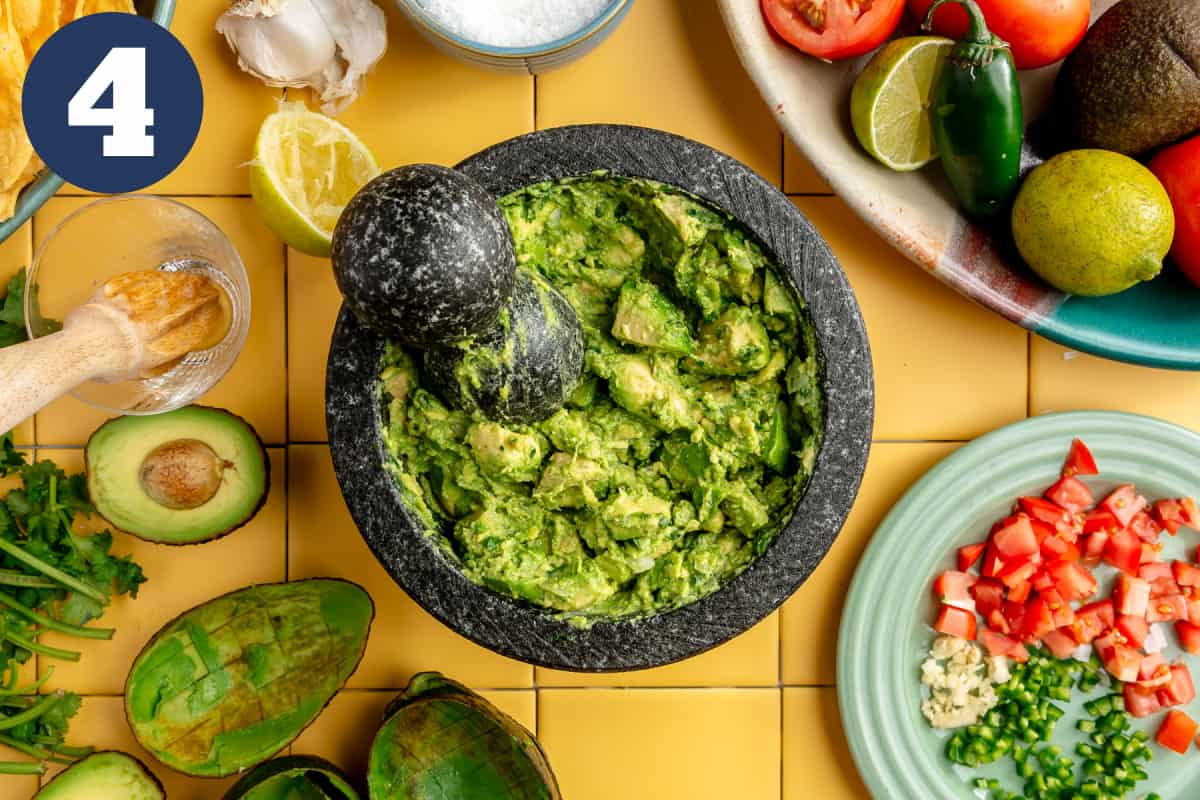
(306, 168)
(889, 105)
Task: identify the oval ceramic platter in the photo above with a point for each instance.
(885, 632)
(1154, 324)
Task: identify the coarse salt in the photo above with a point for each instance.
(514, 23)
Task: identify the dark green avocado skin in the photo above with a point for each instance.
(291, 777)
(1134, 83)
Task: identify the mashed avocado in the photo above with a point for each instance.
(677, 459)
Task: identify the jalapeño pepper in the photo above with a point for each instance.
(976, 117)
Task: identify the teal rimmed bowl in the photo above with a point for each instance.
(885, 632)
(534, 59)
(46, 184)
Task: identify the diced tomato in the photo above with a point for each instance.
(1059, 518)
(988, 594)
(1038, 620)
(1020, 593)
(1056, 548)
(1072, 494)
(1180, 691)
(1189, 513)
(1106, 645)
(997, 644)
(1168, 514)
(1163, 587)
(1042, 580)
(1154, 678)
(1131, 597)
(954, 589)
(1059, 643)
(1124, 503)
(1123, 662)
(1189, 636)
(1015, 614)
(991, 563)
(1072, 580)
(1060, 609)
(1124, 551)
(1092, 620)
(1093, 548)
(1167, 608)
(1141, 702)
(1144, 527)
(1193, 604)
(1016, 539)
(954, 621)
(1150, 667)
(1079, 461)
(1177, 732)
(1153, 572)
(1099, 519)
(1018, 571)
(1041, 529)
(1019, 653)
(1150, 553)
(997, 622)
(969, 554)
(1134, 629)
(1185, 574)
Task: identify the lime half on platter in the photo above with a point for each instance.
(886, 631)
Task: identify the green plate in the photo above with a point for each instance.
(885, 633)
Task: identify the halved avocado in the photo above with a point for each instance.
(187, 476)
(293, 778)
(107, 775)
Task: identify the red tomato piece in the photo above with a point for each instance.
(1167, 608)
(1059, 643)
(1180, 691)
(969, 554)
(1131, 597)
(1060, 609)
(1123, 662)
(1072, 580)
(1141, 702)
(1176, 168)
(1017, 572)
(1150, 667)
(1020, 593)
(1015, 614)
(997, 622)
(1156, 571)
(1124, 551)
(1189, 512)
(1177, 732)
(1042, 580)
(1134, 629)
(1185, 574)
(1099, 519)
(1163, 587)
(1038, 620)
(1050, 513)
(954, 621)
(992, 564)
(1106, 645)
(1093, 547)
(1168, 514)
(1144, 527)
(1193, 603)
(1092, 620)
(954, 589)
(1079, 461)
(988, 594)
(1124, 503)
(834, 29)
(1189, 636)
(1072, 494)
(1016, 539)
(1019, 653)
(997, 644)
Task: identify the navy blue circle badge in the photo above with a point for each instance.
(112, 103)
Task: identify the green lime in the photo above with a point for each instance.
(1093, 222)
(306, 168)
(889, 104)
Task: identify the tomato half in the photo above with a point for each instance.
(1178, 168)
(834, 29)
(1177, 732)
(1040, 31)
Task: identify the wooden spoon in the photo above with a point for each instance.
(130, 328)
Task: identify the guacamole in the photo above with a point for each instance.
(677, 458)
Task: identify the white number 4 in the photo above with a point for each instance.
(124, 69)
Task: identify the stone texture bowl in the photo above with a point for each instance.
(525, 632)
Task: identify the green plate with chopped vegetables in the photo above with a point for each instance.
(886, 631)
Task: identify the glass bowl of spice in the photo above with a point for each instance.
(527, 36)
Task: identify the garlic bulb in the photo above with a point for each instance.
(328, 45)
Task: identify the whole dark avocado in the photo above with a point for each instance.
(105, 775)
(524, 368)
(1133, 84)
(293, 778)
(422, 254)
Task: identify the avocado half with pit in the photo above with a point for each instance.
(183, 477)
(107, 775)
(293, 778)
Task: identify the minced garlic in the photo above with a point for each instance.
(962, 682)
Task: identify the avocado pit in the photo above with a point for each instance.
(182, 474)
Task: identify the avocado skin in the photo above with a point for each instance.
(1134, 83)
(58, 788)
(293, 767)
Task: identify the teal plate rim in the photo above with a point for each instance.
(888, 600)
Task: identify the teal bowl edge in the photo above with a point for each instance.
(46, 186)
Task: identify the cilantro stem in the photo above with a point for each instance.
(10, 578)
(31, 560)
(42, 649)
(21, 768)
(33, 712)
(24, 747)
(29, 689)
(54, 624)
(73, 752)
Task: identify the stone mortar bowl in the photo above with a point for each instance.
(520, 630)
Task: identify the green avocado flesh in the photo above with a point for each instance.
(693, 431)
(103, 776)
(182, 477)
(231, 682)
(441, 741)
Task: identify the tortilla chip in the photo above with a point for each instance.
(15, 149)
(47, 23)
(101, 6)
(26, 15)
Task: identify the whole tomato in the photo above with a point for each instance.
(1178, 168)
(1040, 31)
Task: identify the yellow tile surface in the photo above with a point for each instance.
(313, 302)
(799, 175)
(671, 744)
(816, 758)
(1063, 380)
(16, 254)
(810, 619)
(751, 659)
(256, 386)
(945, 368)
(179, 578)
(404, 639)
(670, 65)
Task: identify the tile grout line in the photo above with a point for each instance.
(1028, 374)
(287, 416)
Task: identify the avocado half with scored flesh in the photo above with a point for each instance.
(293, 778)
(107, 775)
(183, 477)
(441, 740)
